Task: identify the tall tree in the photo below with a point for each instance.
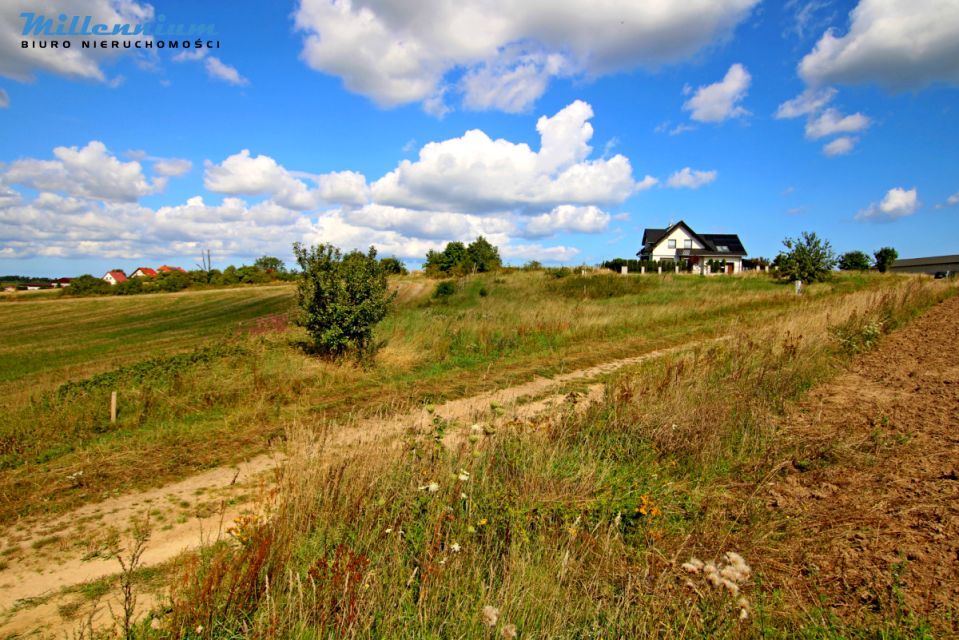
(884, 258)
(483, 256)
(270, 263)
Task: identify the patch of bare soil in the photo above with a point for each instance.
(870, 500)
(47, 557)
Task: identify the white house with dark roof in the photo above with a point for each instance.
(679, 243)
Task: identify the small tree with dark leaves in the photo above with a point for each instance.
(342, 298)
(854, 261)
(807, 258)
(884, 258)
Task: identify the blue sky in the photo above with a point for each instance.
(347, 123)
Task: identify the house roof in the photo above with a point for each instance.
(718, 243)
(729, 240)
(167, 268)
(922, 262)
(119, 276)
(147, 270)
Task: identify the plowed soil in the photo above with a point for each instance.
(869, 502)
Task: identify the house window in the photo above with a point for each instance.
(687, 244)
(672, 244)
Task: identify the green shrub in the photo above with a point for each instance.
(854, 261)
(808, 258)
(86, 285)
(444, 289)
(393, 267)
(884, 258)
(342, 298)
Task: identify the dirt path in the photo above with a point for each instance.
(870, 501)
(47, 556)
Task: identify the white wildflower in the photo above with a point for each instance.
(509, 631)
(463, 475)
(490, 615)
(432, 487)
(463, 496)
(695, 565)
(390, 530)
(731, 586)
(455, 547)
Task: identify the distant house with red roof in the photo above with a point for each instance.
(114, 277)
(167, 269)
(144, 272)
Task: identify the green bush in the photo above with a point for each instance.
(444, 289)
(393, 267)
(86, 285)
(854, 261)
(458, 259)
(342, 298)
(808, 258)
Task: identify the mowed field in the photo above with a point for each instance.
(48, 340)
(570, 520)
(200, 385)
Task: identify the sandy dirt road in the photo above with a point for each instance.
(50, 556)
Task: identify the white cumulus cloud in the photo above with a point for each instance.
(172, 166)
(22, 64)
(807, 103)
(567, 217)
(475, 173)
(897, 203)
(89, 172)
(398, 52)
(218, 69)
(900, 44)
(456, 189)
(831, 122)
(687, 178)
(840, 146)
(720, 101)
(243, 174)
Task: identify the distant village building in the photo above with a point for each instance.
(144, 272)
(931, 265)
(680, 244)
(167, 269)
(114, 277)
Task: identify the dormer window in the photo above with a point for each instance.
(672, 244)
(723, 248)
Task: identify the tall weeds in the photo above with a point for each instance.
(574, 524)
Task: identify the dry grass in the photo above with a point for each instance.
(573, 525)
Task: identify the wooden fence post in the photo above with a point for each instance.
(113, 406)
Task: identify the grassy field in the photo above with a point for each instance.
(563, 525)
(571, 526)
(199, 385)
(49, 339)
